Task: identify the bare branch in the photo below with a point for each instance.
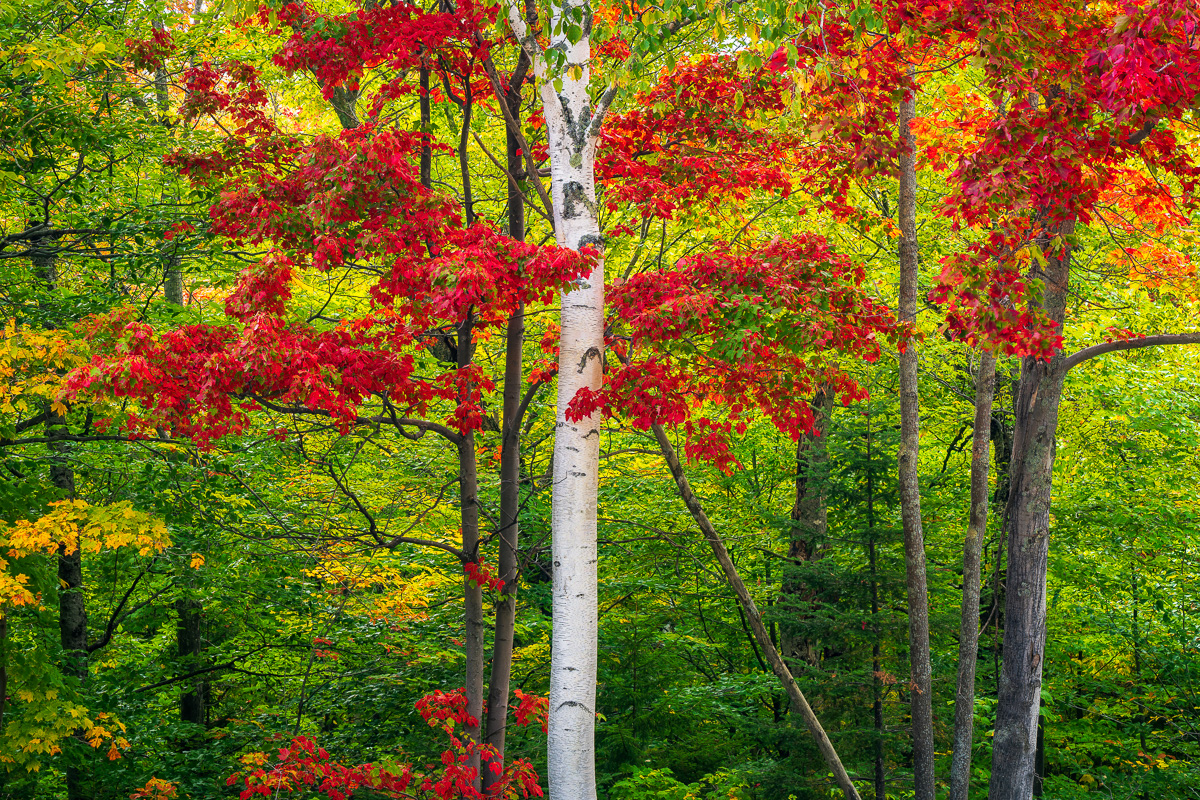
(1129, 344)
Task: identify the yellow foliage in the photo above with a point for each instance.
(39, 734)
(156, 789)
(72, 525)
(382, 591)
(32, 365)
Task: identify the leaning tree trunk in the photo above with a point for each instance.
(572, 137)
(753, 617)
(968, 635)
(809, 519)
(1014, 746)
(910, 490)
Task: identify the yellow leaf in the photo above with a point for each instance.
(197, 561)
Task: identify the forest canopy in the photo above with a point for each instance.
(701, 401)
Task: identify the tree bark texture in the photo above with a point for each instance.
(910, 490)
(572, 137)
(753, 617)
(72, 614)
(809, 524)
(510, 472)
(3, 668)
(472, 591)
(968, 635)
(426, 125)
(1014, 746)
(189, 637)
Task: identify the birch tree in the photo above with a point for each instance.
(563, 72)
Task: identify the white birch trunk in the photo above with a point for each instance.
(572, 144)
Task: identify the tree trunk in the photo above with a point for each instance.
(426, 125)
(3, 668)
(572, 136)
(1032, 469)
(753, 617)
(968, 635)
(880, 780)
(189, 636)
(809, 523)
(72, 614)
(472, 591)
(910, 490)
(510, 476)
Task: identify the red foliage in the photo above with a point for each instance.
(1082, 91)
(689, 142)
(481, 575)
(751, 332)
(148, 54)
(305, 766)
(336, 202)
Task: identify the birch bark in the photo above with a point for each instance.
(573, 128)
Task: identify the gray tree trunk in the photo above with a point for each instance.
(1014, 746)
(510, 467)
(910, 490)
(968, 635)
(189, 638)
(472, 592)
(809, 525)
(72, 614)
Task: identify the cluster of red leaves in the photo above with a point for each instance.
(231, 88)
(304, 766)
(690, 142)
(532, 708)
(848, 107)
(150, 53)
(337, 202)
(340, 48)
(1075, 100)
(751, 332)
(481, 575)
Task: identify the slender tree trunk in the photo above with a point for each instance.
(472, 591)
(173, 280)
(510, 475)
(72, 614)
(426, 125)
(3, 669)
(572, 137)
(910, 490)
(1014, 746)
(809, 523)
(873, 565)
(761, 636)
(464, 157)
(172, 275)
(344, 102)
(189, 636)
(968, 635)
